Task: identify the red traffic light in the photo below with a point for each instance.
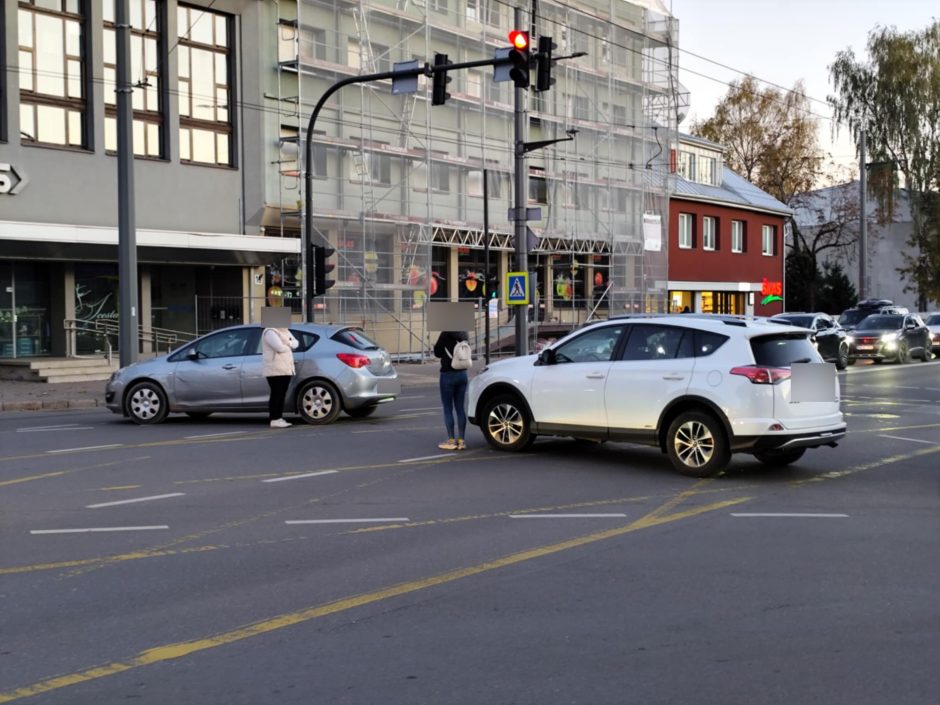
(519, 40)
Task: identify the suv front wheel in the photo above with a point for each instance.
(505, 424)
(696, 444)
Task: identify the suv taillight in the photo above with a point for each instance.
(762, 375)
(354, 360)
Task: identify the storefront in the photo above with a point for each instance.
(25, 316)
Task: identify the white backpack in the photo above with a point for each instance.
(462, 357)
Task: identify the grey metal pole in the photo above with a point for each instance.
(486, 267)
(522, 196)
(862, 220)
(127, 235)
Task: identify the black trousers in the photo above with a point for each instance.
(278, 387)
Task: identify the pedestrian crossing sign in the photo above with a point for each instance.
(517, 288)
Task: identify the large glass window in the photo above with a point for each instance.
(53, 105)
(205, 86)
(146, 77)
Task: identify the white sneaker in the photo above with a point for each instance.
(279, 423)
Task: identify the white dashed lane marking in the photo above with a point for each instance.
(133, 501)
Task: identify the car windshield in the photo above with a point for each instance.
(801, 321)
(933, 319)
(783, 350)
(355, 338)
(853, 317)
(881, 322)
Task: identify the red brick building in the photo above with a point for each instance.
(726, 237)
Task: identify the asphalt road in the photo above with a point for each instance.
(223, 562)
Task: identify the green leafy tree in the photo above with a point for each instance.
(894, 98)
(768, 136)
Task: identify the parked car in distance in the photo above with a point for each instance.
(890, 336)
(828, 335)
(698, 386)
(932, 321)
(338, 368)
(851, 317)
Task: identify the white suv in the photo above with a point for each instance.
(698, 386)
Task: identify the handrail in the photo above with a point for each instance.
(105, 328)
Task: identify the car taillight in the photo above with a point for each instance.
(762, 375)
(354, 360)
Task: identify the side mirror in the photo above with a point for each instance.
(192, 354)
(547, 357)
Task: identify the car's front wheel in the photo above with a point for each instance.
(904, 354)
(779, 458)
(506, 425)
(146, 403)
(696, 444)
(842, 358)
(318, 402)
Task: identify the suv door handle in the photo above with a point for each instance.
(230, 366)
(595, 375)
(674, 377)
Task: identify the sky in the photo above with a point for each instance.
(780, 43)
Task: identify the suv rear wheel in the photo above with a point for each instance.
(506, 424)
(696, 444)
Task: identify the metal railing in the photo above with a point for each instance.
(155, 340)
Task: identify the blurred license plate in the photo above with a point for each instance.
(866, 347)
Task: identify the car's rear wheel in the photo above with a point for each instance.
(779, 458)
(842, 358)
(146, 403)
(696, 444)
(361, 412)
(199, 415)
(904, 354)
(318, 402)
(506, 424)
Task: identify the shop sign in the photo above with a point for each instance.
(11, 180)
(771, 291)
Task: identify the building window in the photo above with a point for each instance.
(439, 6)
(53, 105)
(378, 167)
(440, 177)
(475, 84)
(146, 77)
(685, 230)
(291, 149)
(708, 171)
(475, 183)
(768, 238)
(737, 236)
(205, 86)
(312, 44)
(709, 240)
(538, 189)
(367, 57)
(687, 165)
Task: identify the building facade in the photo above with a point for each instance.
(726, 238)
(222, 92)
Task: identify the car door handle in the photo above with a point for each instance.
(230, 366)
(595, 375)
(674, 377)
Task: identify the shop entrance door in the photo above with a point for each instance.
(7, 311)
(24, 310)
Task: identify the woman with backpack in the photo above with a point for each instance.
(454, 351)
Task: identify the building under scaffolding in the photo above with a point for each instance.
(398, 187)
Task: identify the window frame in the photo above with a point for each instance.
(4, 103)
(35, 99)
(772, 240)
(737, 248)
(687, 243)
(217, 127)
(709, 234)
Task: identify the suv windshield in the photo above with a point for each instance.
(881, 322)
(783, 350)
(853, 317)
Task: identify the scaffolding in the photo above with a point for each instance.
(398, 184)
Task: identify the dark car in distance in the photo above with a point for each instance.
(890, 336)
(829, 337)
(851, 317)
(933, 323)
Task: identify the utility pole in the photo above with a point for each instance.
(127, 235)
(862, 220)
(522, 199)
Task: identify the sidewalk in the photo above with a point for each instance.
(36, 396)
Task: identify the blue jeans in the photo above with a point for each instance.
(454, 397)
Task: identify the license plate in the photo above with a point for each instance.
(866, 347)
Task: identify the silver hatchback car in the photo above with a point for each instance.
(338, 368)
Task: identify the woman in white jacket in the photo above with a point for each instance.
(277, 365)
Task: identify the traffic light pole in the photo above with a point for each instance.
(522, 198)
(307, 213)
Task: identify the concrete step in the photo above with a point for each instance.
(71, 363)
(84, 377)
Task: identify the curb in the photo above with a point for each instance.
(50, 405)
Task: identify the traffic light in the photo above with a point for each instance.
(543, 70)
(439, 94)
(321, 268)
(519, 58)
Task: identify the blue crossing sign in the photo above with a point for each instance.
(517, 288)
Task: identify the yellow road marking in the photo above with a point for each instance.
(169, 652)
(59, 473)
(868, 466)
